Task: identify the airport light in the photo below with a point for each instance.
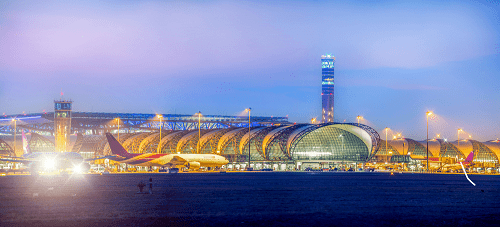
(458, 136)
(249, 109)
(386, 149)
(160, 117)
(118, 122)
(78, 169)
(49, 164)
(199, 131)
(343, 152)
(359, 117)
(15, 132)
(427, 114)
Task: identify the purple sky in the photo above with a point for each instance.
(395, 60)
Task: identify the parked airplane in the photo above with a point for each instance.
(51, 161)
(171, 161)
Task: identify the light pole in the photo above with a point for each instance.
(359, 117)
(386, 147)
(249, 109)
(458, 136)
(427, 114)
(118, 122)
(199, 131)
(403, 165)
(15, 132)
(313, 120)
(343, 154)
(160, 117)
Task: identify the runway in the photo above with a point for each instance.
(252, 199)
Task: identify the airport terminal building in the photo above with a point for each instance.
(286, 147)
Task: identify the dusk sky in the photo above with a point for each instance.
(394, 61)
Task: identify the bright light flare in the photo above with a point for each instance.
(49, 164)
(78, 169)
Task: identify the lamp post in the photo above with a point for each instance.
(118, 122)
(386, 147)
(343, 154)
(249, 109)
(403, 165)
(199, 132)
(359, 117)
(15, 132)
(427, 114)
(160, 117)
(313, 120)
(458, 137)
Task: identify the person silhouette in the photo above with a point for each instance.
(150, 185)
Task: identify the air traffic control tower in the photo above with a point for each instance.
(327, 69)
(62, 124)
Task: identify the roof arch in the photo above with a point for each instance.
(256, 139)
(274, 144)
(209, 141)
(331, 143)
(230, 140)
(416, 148)
(450, 150)
(168, 144)
(39, 143)
(5, 149)
(386, 149)
(482, 153)
(148, 144)
(133, 143)
(367, 135)
(190, 141)
(494, 146)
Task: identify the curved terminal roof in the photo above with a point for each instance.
(300, 142)
(6, 150)
(244, 140)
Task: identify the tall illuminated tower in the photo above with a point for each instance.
(328, 66)
(62, 124)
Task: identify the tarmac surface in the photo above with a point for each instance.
(251, 199)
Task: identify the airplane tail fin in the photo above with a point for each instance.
(26, 148)
(470, 157)
(116, 147)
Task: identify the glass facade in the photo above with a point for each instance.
(39, 143)
(450, 150)
(5, 149)
(415, 148)
(386, 149)
(290, 145)
(330, 144)
(327, 87)
(483, 153)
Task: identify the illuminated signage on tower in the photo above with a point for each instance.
(327, 71)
